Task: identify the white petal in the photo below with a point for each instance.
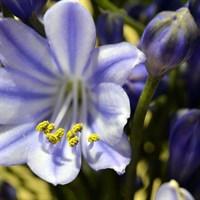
(101, 155)
(24, 98)
(109, 109)
(56, 165)
(15, 142)
(22, 49)
(71, 32)
(113, 63)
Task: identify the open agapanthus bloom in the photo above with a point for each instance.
(60, 96)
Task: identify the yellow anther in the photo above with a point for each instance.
(77, 128)
(70, 135)
(59, 133)
(49, 128)
(93, 138)
(42, 126)
(52, 138)
(74, 141)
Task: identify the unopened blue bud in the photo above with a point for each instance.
(172, 191)
(110, 28)
(184, 146)
(193, 78)
(168, 40)
(24, 8)
(194, 7)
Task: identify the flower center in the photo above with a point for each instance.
(70, 109)
(71, 135)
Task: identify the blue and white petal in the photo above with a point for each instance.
(22, 49)
(101, 155)
(23, 97)
(59, 164)
(109, 109)
(71, 33)
(15, 142)
(29, 78)
(113, 63)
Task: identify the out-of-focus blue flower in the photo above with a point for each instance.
(7, 192)
(110, 28)
(194, 7)
(172, 191)
(24, 8)
(193, 78)
(65, 80)
(134, 10)
(184, 149)
(144, 13)
(168, 40)
(135, 84)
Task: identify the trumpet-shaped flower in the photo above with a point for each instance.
(61, 97)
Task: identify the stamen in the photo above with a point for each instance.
(93, 137)
(42, 126)
(77, 128)
(49, 128)
(74, 130)
(52, 138)
(59, 133)
(70, 135)
(74, 141)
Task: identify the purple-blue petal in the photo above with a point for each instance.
(56, 164)
(101, 155)
(15, 142)
(113, 63)
(109, 109)
(71, 33)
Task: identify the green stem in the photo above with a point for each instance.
(35, 23)
(136, 128)
(5, 11)
(107, 5)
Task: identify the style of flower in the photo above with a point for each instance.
(60, 96)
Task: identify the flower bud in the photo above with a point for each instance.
(184, 147)
(172, 191)
(168, 40)
(24, 8)
(110, 28)
(194, 7)
(193, 79)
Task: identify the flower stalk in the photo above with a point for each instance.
(36, 24)
(136, 129)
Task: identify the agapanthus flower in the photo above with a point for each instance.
(135, 84)
(24, 8)
(172, 191)
(61, 97)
